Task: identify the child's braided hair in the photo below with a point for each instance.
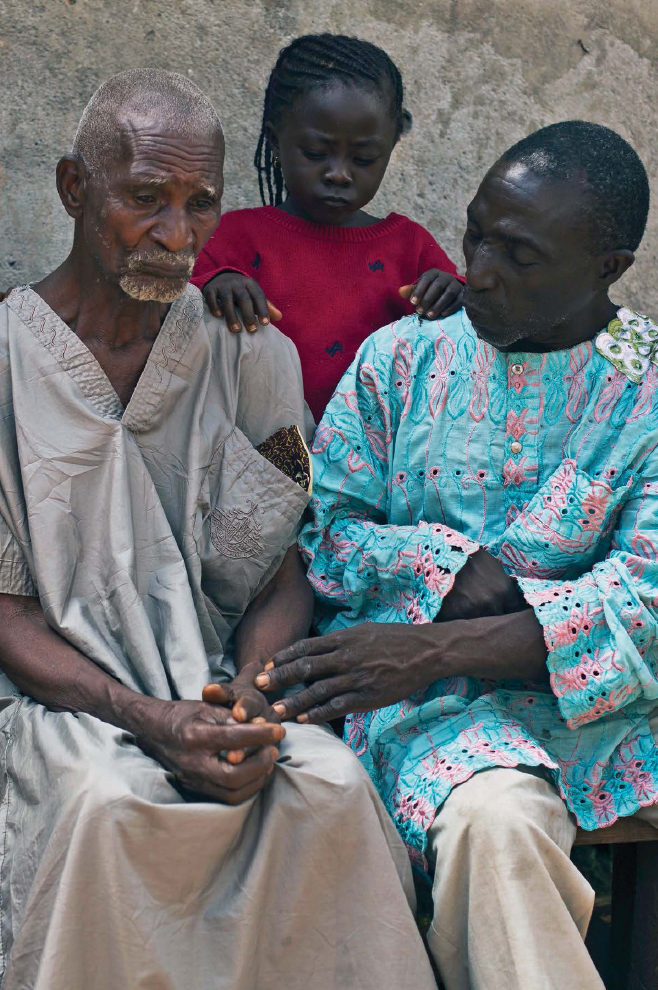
(320, 59)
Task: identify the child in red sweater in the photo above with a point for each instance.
(333, 114)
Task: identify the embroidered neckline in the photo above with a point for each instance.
(80, 364)
(629, 343)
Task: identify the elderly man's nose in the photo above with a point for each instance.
(173, 230)
(481, 272)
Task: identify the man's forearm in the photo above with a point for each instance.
(47, 668)
(279, 616)
(496, 647)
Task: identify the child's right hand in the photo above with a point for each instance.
(231, 295)
(435, 294)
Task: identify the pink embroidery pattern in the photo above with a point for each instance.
(435, 444)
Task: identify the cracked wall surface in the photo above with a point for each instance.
(479, 74)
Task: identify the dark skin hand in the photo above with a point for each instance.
(533, 282)
(223, 747)
(186, 737)
(334, 145)
(376, 665)
(435, 294)
(236, 298)
(279, 615)
(373, 665)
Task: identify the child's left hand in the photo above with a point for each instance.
(435, 294)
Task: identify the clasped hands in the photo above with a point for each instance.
(372, 665)
(223, 747)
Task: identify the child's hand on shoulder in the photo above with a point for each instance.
(435, 294)
(234, 296)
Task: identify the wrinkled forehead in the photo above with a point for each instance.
(163, 145)
(513, 194)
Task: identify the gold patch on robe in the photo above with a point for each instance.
(288, 452)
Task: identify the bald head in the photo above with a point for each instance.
(169, 98)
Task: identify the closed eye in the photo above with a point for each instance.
(313, 156)
(364, 162)
(520, 263)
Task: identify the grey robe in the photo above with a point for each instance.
(145, 533)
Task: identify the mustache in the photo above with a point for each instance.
(471, 301)
(176, 261)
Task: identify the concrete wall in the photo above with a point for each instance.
(479, 74)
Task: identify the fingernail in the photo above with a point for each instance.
(302, 718)
(414, 299)
(431, 314)
(264, 321)
(279, 709)
(420, 310)
(258, 719)
(235, 326)
(262, 680)
(269, 665)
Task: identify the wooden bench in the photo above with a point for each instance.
(634, 936)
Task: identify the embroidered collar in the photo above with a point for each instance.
(630, 343)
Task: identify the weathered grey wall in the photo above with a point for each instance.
(479, 74)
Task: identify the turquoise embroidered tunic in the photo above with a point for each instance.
(436, 444)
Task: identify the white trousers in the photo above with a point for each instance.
(510, 908)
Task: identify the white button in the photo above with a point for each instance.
(517, 369)
(516, 447)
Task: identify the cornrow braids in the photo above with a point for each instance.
(316, 60)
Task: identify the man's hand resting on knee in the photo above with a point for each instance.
(199, 742)
(485, 629)
(203, 744)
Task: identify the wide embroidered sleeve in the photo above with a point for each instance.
(362, 567)
(601, 629)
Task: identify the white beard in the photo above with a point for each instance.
(149, 288)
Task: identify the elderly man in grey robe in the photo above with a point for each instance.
(160, 828)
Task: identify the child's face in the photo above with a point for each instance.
(334, 145)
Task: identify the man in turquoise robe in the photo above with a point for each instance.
(484, 551)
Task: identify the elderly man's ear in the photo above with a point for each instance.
(614, 264)
(71, 185)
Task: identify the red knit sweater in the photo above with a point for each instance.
(334, 285)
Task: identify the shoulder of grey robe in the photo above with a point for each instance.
(263, 371)
(146, 530)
